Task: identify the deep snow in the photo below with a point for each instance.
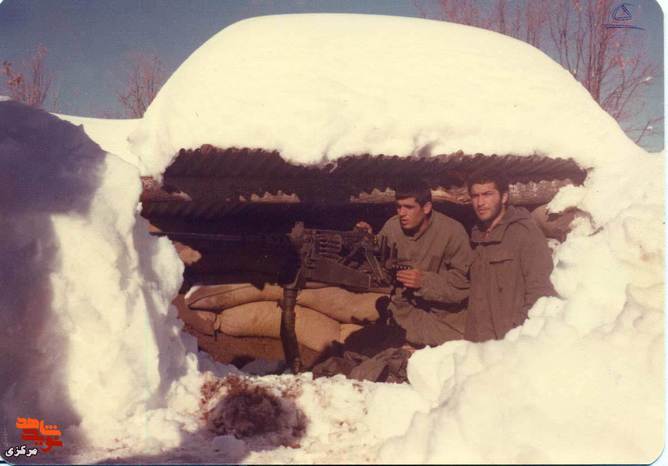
(88, 291)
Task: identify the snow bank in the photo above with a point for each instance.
(95, 346)
(110, 135)
(93, 343)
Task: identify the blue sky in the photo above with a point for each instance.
(89, 41)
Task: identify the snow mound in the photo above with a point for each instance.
(95, 346)
(324, 85)
(110, 135)
(91, 341)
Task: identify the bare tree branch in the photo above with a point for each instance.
(611, 63)
(31, 84)
(144, 79)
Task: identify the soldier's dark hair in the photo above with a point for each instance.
(413, 188)
(486, 175)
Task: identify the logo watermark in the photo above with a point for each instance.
(621, 17)
(14, 452)
(45, 436)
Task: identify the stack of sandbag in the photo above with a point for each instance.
(323, 315)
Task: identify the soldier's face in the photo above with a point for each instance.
(411, 214)
(488, 202)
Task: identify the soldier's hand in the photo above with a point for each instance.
(364, 226)
(411, 278)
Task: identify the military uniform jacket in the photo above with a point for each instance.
(433, 313)
(510, 271)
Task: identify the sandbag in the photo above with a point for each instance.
(221, 297)
(263, 319)
(202, 321)
(257, 319)
(341, 305)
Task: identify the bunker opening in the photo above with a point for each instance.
(241, 219)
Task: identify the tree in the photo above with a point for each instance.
(145, 77)
(31, 83)
(610, 62)
(523, 21)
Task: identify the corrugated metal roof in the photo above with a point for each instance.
(232, 163)
(209, 182)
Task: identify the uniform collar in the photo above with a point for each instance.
(496, 235)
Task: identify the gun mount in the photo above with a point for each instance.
(353, 259)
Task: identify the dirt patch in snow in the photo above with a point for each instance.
(260, 415)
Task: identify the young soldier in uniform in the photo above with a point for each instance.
(512, 262)
(428, 300)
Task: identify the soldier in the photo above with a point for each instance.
(428, 301)
(512, 262)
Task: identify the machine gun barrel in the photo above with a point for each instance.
(270, 239)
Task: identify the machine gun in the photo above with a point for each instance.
(354, 259)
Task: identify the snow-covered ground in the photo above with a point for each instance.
(96, 348)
